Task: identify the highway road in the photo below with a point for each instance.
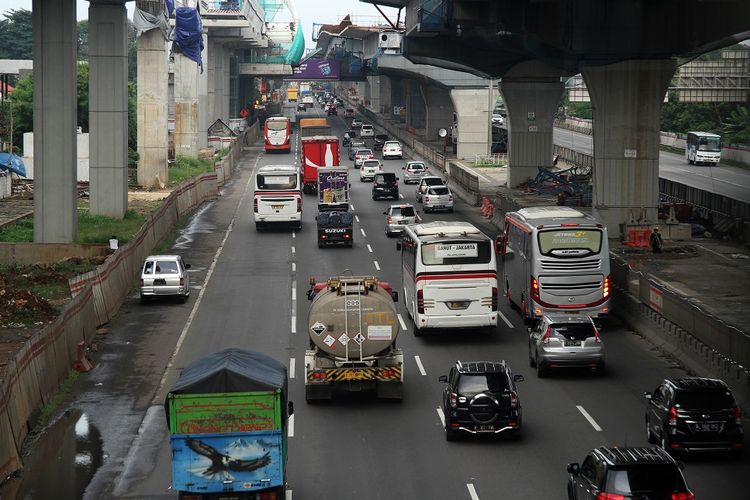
(732, 182)
(249, 291)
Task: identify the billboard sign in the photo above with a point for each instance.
(316, 69)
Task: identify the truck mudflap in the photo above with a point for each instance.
(330, 375)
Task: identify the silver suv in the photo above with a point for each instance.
(564, 340)
(413, 171)
(437, 198)
(397, 217)
(165, 275)
(425, 182)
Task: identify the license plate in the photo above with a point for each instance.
(277, 207)
(484, 428)
(708, 427)
(458, 304)
(403, 222)
(573, 343)
(160, 281)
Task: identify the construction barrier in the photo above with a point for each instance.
(638, 238)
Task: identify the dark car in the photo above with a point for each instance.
(332, 111)
(693, 414)
(335, 228)
(385, 185)
(481, 398)
(622, 473)
(379, 141)
(301, 106)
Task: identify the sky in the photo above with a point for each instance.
(309, 11)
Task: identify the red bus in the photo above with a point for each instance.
(277, 132)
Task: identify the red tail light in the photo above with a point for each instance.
(271, 495)
(534, 289)
(683, 495)
(453, 399)
(673, 416)
(142, 282)
(255, 205)
(596, 334)
(609, 496)
(420, 301)
(545, 337)
(450, 198)
(494, 299)
(738, 415)
(605, 290)
(513, 400)
(182, 281)
(390, 220)
(299, 204)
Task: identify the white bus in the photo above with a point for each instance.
(703, 148)
(449, 276)
(278, 196)
(555, 260)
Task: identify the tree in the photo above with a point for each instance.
(22, 101)
(16, 38)
(82, 44)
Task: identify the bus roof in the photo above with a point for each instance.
(445, 228)
(267, 169)
(704, 134)
(552, 216)
(277, 118)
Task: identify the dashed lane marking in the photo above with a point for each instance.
(420, 366)
(294, 324)
(292, 366)
(377, 266)
(291, 426)
(401, 320)
(472, 491)
(293, 249)
(352, 207)
(294, 235)
(441, 416)
(507, 322)
(294, 267)
(356, 217)
(401, 196)
(369, 248)
(363, 232)
(589, 418)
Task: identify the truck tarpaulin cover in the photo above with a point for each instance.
(12, 162)
(188, 34)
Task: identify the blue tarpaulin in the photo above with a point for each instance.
(12, 162)
(188, 34)
(169, 6)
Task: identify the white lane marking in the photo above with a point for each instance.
(294, 267)
(401, 196)
(291, 426)
(294, 324)
(441, 415)
(294, 235)
(293, 249)
(472, 491)
(210, 273)
(589, 418)
(294, 291)
(352, 207)
(401, 320)
(356, 217)
(363, 232)
(292, 366)
(420, 366)
(510, 325)
(377, 266)
(288, 494)
(713, 252)
(369, 248)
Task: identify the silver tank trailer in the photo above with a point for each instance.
(353, 319)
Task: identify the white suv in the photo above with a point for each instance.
(369, 169)
(367, 131)
(392, 149)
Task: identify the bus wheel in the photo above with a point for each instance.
(524, 315)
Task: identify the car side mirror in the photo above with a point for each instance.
(574, 469)
(310, 294)
(187, 266)
(398, 246)
(518, 378)
(385, 213)
(647, 395)
(394, 296)
(443, 378)
(290, 408)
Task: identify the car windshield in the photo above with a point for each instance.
(658, 481)
(364, 152)
(456, 252)
(405, 211)
(392, 144)
(162, 267)
(415, 166)
(570, 242)
(432, 181)
(571, 331)
(277, 181)
(474, 384)
(366, 127)
(704, 399)
(438, 190)
(371, 164)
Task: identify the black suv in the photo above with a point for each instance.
(385, 185)
(481, 398)
(622, 473)
(694, 414)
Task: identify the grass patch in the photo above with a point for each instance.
(47, 410)
(185, 168)
(91, 228)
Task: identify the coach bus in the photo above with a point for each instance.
(278, 196)
(703, 148)
(277, 132)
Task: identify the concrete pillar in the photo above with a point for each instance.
(203, 121)
(627, 98)
(212, 103)
(185, 106)
(416, 107)
(108, 109)
(473, 118)
(224, 77)
(153, 108)
(55, 105)
(373, 93)
(531, 102)
(385, 95)
(398, 97)
(439, 110)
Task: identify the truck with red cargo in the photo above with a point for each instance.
(317, 151)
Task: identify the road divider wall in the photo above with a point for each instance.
(32, 376)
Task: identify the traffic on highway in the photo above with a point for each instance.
(398, 391)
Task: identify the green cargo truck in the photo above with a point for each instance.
(227, 416)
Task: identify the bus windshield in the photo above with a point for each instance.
(710, 144)
(570, 242)
(277, 181)
(276, 124)
(456, 252)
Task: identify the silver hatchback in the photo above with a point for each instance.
(437, 198)
(565, 340)
(397, 217)
(413, 171)
(164, 275)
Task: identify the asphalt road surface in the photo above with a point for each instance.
(732, 182)
(249, 292)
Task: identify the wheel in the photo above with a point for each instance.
(144, 299)
(664, 443)
(183, 298)
(599, 370)
(650, 438)
(450, 210)
(514, 435)
(350, 244)
(532, 361)
(374, 197)
(541, 371)
(258, 226)
(321, 244)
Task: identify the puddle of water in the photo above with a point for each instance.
(61, 463)
(197, 225)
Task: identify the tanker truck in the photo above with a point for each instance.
(353, 325)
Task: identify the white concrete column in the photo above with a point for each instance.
(439, 110)
(203, 122)
(212, 104)
(108, 109)
(373, 91)
(531, 103)
(185, 106)
(473, 122)
(627, 98)
(153, 108)
(385, 95)
(224, 77)
(55, 106)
